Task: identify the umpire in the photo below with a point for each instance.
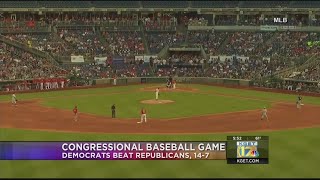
(113, 110)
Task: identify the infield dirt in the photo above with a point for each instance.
(31, 115)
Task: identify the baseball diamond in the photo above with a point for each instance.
(161, 71)
(51, 112)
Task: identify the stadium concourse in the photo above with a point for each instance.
(149, 44)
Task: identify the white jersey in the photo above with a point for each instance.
(264, 111)
(13, 99)
(157, 91)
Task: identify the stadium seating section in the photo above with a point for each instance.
(224, 54)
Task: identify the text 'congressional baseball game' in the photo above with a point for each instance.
(113, 150)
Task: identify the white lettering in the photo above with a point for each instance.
(65, 146)
(211, 147)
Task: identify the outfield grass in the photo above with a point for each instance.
(128, 104)
(293, 153)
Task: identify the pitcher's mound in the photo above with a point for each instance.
(153, 101)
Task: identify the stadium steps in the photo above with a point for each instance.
(101, 38)
(285, 72)
(271, 39)
(225, 42)
(28, 49)
(144, 39)
(182, 29)
(164, 52)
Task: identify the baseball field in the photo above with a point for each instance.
(190, 112)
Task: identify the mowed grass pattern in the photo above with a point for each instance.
(292, 154)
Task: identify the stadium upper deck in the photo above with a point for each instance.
(159, 4)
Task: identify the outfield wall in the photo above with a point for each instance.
(191, 80)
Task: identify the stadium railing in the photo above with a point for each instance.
(311, 86)
(184, 80)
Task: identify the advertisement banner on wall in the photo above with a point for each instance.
(268, 28)
(138, 58)
(224, 58)
(147, 58)
(213, 58)
(242, 58)
(100, 60)
(266, 59)
(77, 59)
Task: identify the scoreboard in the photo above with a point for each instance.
(248, 150)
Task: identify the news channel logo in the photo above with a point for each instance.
(247, 149)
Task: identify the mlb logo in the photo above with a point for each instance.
(247, 149)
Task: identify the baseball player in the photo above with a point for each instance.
(264, 115)
(41, 84)
(62, 83)
(114, 81)
(75, 111)
(174, 84)
(143, 116)
(299, 102)
(14, 100)
(157, 93)
(113, 110)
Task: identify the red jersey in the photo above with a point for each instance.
(143, 111)
(75, 110)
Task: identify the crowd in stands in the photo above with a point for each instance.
(44, 42)
(222, 20)
(157, 41)
(112, 19)
(290, 44)
(156, 21)
(210, 40)
(283, 48)
(123, 43)
(197, 21)
(162, 22)
(244, 68)
(310, 73)
(246, 43)
(18, 64)
(109, 70)
(181, 58)
(250, 20)
(82, 42)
